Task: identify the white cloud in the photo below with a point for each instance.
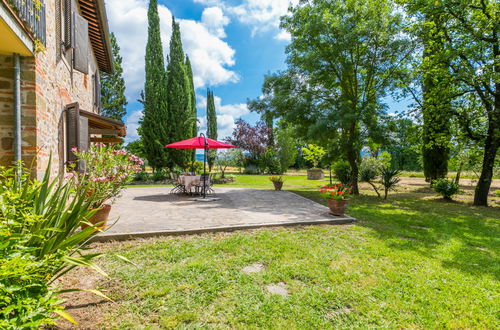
(210, 56)
(283, 35)
(261, 15)
(214, 20)
(132, 124)
(226, 115)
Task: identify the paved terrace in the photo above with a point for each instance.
(145, 212)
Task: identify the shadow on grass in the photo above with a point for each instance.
(463, 237)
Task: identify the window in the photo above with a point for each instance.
(96, 95)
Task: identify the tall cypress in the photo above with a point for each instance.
(211, 126)
(436, 107)
(179, 99)
(154, 125)
(192, 94)
(113, 98)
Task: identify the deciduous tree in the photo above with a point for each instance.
(344, 57)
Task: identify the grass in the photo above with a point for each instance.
(411, 262)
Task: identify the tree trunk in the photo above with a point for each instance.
(484, 183)
(459, 172)
(353, 162)
(491, 145)
(374, 188)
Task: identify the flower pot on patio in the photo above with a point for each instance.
(338, 206)
(101, 216)
(315, 174)
(278, 185)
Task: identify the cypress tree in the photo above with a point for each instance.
(192, 94)
(113, 98)
(154, 125)
(436, 107)
(179, 99)
(211, 127)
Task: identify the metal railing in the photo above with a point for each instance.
(32, 14)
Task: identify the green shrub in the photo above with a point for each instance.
(497, 193)
(160, 175)
(446, 187)
(369, 170)
(343, 172)
(313, 154)
(142, 176)
(272, 163)
(196, 167)
(251, 169)
(26, 300)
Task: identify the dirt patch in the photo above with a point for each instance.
(86, 308)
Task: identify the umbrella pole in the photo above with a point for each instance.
(205, 171)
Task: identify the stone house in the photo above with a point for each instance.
(51, 56)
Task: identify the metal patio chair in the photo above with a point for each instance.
(179, 187)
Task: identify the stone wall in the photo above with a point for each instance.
(28, 109)
(49, 83)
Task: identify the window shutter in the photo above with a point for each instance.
(84, 139)
(68, 24)
(72, 127)
(81, 34)
(97, 87)
(77, 133)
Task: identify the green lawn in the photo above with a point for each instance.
(411, 262)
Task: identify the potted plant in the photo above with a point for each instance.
(107, 171)
(314, 154)
(277, 180)
(337, 196)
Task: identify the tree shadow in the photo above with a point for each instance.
(408, 221)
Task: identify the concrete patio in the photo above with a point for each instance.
(146, 212)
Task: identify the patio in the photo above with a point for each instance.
(146, 212)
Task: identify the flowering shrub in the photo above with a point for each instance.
(276, 178)
(338, 191)
(107, 171)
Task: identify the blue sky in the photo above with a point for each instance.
(232, 44)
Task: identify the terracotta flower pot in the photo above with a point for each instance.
(101, 216)
(278, 185)
(338, 206)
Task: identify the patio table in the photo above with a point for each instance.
(189, 180)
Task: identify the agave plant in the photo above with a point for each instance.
(40, 225)
(390, 179)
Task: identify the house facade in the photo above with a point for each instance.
(51, 55)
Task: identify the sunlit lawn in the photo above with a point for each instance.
(410, 262)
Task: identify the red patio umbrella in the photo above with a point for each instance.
(201, 142)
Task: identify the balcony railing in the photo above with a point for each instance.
(32, 14)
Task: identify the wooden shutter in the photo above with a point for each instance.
(77, 133)
(81, 34)
(72, 127)
(97, 91)
(68, 24)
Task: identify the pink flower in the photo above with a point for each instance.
(119, 152)
(74, 149)
(69, 175)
